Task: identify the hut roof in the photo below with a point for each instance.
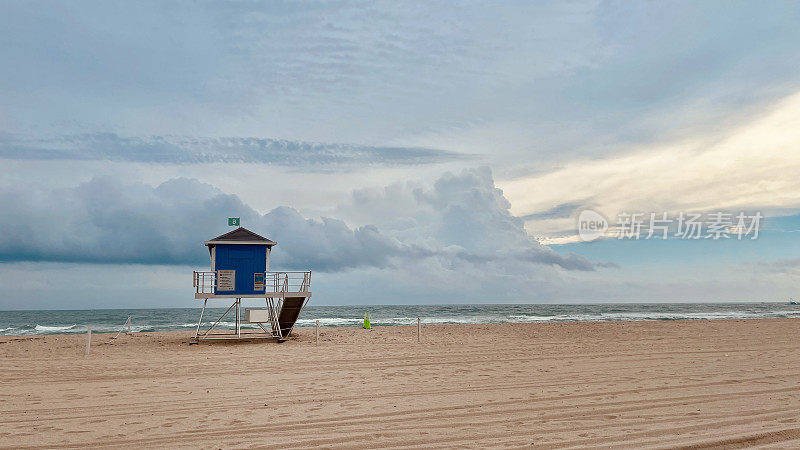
(240, 235)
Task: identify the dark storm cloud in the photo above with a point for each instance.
(106, 221)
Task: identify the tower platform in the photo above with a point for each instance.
(284, 295)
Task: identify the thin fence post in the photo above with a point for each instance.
(129, 324)
(88, 340)
(419, 330)
(316, 334)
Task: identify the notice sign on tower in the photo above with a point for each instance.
(258, 281)
(226, 280)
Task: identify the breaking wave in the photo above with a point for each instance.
(150, 320)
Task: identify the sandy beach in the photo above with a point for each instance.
(693, 384)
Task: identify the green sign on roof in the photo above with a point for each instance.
(233, 221)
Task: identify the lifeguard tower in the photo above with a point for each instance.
(240, 270)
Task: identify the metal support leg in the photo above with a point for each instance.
(273, 319)
(218, 320)
(269, 312)
(238, 317)
(275, 312)
(197, 331)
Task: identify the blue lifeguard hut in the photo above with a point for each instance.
(240, 261)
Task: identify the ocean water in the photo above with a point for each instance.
(144, 320)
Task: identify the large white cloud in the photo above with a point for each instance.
(462, 215)
(462, 219)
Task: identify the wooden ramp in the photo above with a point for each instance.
(290, 310)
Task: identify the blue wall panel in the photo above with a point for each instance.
(246, 260)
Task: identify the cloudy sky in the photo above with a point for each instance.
(429, 152)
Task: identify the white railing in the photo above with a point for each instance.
(204, 282)
(289, 281)
(299, 281)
